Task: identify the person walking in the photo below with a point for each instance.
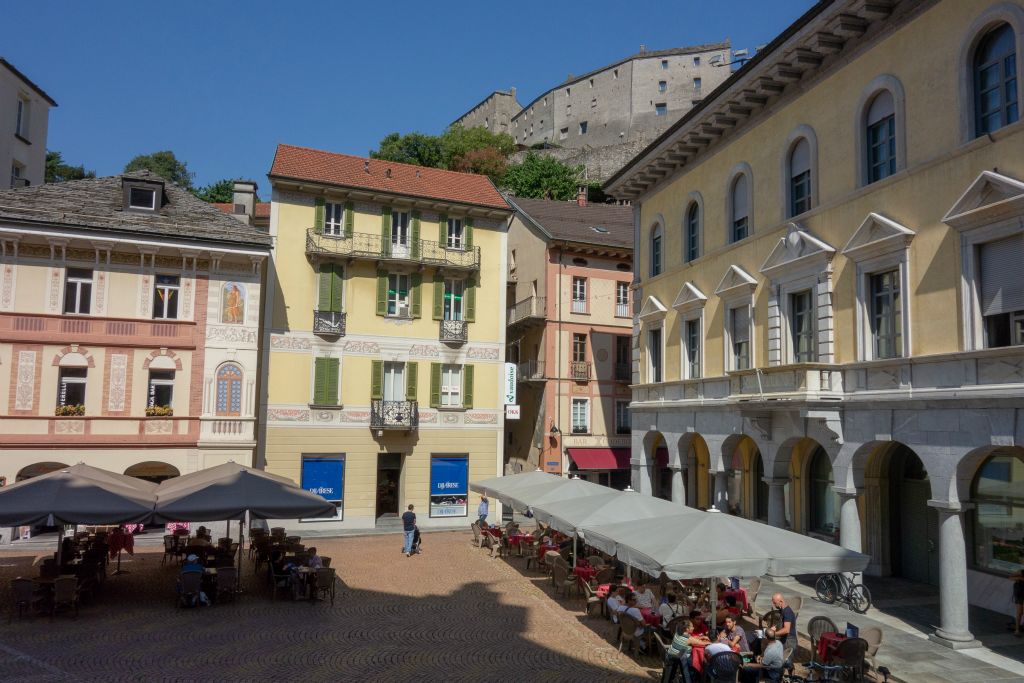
(409, 527)
(1018, 601)
(482, 510)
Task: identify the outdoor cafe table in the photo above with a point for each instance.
(827, 645)
(515, 539)
(491, 531)
(697, 657)
(584, 572)
(651, 617)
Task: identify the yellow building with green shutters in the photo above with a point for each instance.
(371, 400)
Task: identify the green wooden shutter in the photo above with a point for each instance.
(435, 385)
(318, 215)
(442, 230)
(319, 380)
(337, 287)
(382, 292)
(385, 230)
(467, 386)
(324, 296)
(469, 300)
(414, 235)
(416, 284)
(331, 391)
(438, 312)
(412, 373)
(377, 379)
(467, 233)
(349, 218)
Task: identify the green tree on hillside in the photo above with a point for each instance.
(57, 171)
(542, 177)
(418, 149)
(165, 165)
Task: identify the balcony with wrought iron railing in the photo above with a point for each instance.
(579, 370)
(374, 247)
(623, 372)
(453, 331)
(329, 323)
(530, 371)
(530, 309)
(394, 414)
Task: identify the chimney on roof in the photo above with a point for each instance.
(387, 173)
(243, 196)
(512, 92)
(366, 165)
(581, 195)
(643, 48)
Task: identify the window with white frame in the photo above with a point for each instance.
(1001, 291)
(692, 348)
(334, 218)
(880, 137)
(166, 291)
(454, 291)
(691, 244)
(398, 295)
(399, 229)
(456, 234)
(739, 337)
(622, 425)
(581, 416)
(996, 102)
(579, 295)
(141, 198)
(78, 291)
(739, 201)
(161, 389)
(656, 251)
(800, 177)
(621, 299)
(886, 316)
(802, 326)
(451, 386)
(655, 355)
(71, 386)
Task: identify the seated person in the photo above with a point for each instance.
(677, 656)
(700, 627)
(770, 662)
(634, 611)
(203, 532)
(645, 598)
(614, 602)
(315, 561)
(727, 608)
(720, 645)
(192, 564)
(735, 634)
(199, 540)
(669, 610)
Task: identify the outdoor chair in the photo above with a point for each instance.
(851, 653)
(873, 637)
(49, 569)
(532, 558)
(561, 580)
(191, 586)
(817, 626)
(673, 625)
(65, 594)
(23, 597)
(475, 527)
(724, 668)
(591, 597)
(325, 583)
(278, 533)
(752, 590)
(326, 561)
(170, 549)
(292, 539)
(661, 642)
(280, 582)
(627, 630)
(200, 551)
(795, 604)
(595, 561)
(606, 575)
(227, 582)
(88, 579)
(549, 560)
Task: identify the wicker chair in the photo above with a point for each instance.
(627, 633)
(65, 594)
(170, 549)
(873, 637)
(325, 583)
(562, 581)
(796, 604)
(591, 596)
(191, 587)
(815, 628)
(724, 668)
(227, 582)
(606, 575)
(549, 560)
(23, 597)
(475, 527)
(851, 653)
(326, 561)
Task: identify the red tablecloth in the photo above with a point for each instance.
(827, 645)
(602, 590)
(492, 531)
(546, 548)
(697, 657)
(651, 617)
(516, 539)
(584, 573)
(741, 597)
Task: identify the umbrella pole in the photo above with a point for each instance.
(574, 550)
(60, 543)
(714, 607)
(120, 571)
(241, 542)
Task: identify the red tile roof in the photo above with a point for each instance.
(302, 163)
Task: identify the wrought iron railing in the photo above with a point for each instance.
(530, 307)
(579, 370)
(363, 245)
(622, 372)
(329, 322)
(530, 370)
(393, 414)
(456, 331)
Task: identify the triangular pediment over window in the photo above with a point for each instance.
(652, 310)
(735, 281)
(991, 197)
(689, 298)
(798, 247)
(877, 235)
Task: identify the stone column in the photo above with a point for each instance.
(642, 479)
(721, 499)
(776, 502)
(849, 520)
(678, 493)
(953, 631)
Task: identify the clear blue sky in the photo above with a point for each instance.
(222, 83)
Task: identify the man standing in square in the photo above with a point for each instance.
(409, 527)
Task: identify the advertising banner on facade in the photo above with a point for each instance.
(449, 486)
(510, 384)
(326, 478)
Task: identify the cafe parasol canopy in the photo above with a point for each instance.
(79, 494)
(573, 514)
(531, 489)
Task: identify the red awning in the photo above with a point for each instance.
(600, 458)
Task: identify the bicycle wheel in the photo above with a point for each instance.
(826, 589)
(860, 598)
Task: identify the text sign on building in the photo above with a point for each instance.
(449, 486)
(512, 412)
(510, 384)
(325, 477)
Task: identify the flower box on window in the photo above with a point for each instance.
(159, 411)
(74, 410)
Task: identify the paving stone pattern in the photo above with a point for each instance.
(452, 613)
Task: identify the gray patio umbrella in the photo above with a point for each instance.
(528, 489)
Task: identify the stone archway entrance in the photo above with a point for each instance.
(37, 469)
(913, 525)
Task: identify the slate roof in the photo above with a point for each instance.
(574, 223)
(97, 204)
(303, 163)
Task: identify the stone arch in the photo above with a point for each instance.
(162, 354)
(694, 452)
(74, 356)
(996, 505)
(152, 470)
(37, 469)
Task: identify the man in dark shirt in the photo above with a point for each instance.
(788, 627)
(409, 527)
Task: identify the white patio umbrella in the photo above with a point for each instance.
(499, 487)
(570, 515)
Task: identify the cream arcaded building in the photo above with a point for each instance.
(829, 306)
(129, 319)
(384, 335)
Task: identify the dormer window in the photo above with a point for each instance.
(140, 198)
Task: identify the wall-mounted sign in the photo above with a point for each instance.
(510, 384)
(512, 412)
(449, 486)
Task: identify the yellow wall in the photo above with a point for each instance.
(922, 55)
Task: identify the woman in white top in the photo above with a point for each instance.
(669, 610)
(645, 598)
(633, 611)
(614, 603)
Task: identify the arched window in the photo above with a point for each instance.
(229, 390)
(998, 497)
(739, 198)
(657, 250)
(799, 177)
(691, 247)
(822, 501)
(880, 135)
(994, 71)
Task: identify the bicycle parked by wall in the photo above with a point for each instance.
(823, 673)
(832, 588)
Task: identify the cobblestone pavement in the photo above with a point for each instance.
(452, 613)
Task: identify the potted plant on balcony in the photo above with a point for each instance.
(71, 410)
(159, 411)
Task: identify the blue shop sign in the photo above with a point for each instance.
(324, 477)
